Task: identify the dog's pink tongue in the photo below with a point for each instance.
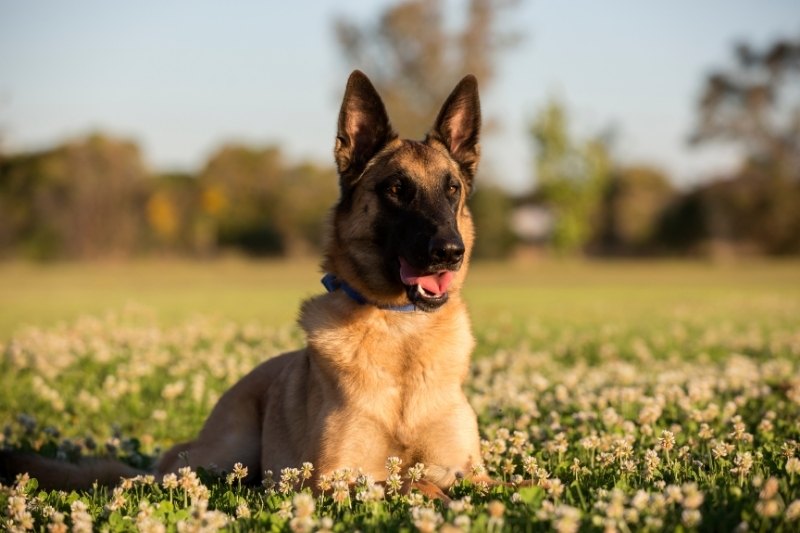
(437, 283)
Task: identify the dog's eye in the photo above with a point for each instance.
(396, 188)
(453, 188)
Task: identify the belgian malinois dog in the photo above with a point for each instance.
(389, 344)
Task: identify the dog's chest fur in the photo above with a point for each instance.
(398, 381)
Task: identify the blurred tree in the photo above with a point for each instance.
(572, 177)
(162, 216)
(491, 210)
(173, 215)
(239, 187)
(252, 200)
(745, 214)
(93, 197)
(632, 205)
(309, 191)
(414, 57)
(81, 200)
(757, 106)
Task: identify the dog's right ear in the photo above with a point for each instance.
(363, 128)
(458, 126)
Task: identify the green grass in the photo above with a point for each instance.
(269, 292)
(585, 373)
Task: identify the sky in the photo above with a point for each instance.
(183, 77)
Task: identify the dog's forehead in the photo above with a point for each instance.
(419, 161)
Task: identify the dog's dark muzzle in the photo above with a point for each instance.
(427, 281)
(446, 253)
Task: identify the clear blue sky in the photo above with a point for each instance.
(182, 77)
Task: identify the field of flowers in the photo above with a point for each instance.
(681, 415)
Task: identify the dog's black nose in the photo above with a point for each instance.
(448, 251)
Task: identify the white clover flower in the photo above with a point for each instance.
(242, 510)
(169, 481)
(673, 494)
(239, 471)
(341, 491)
(793, 511)
(640, 500)
(20, 517)
(631, 515)
(615, 508)
(290, 477)
(650, 413)
(325, 524)
(770, 489)
(567, 519)
(394, 483)
(375, 493)
(496, 511)
(547, 511)
(722, 449)
(304, 504)
(463, 505)
(393, 465)
(325, 483)
(792, 465)
(789, 448)
(416, 472)
(173, 390)
(56, 524)
(529, 465)
(302, 524)
(667, 440)
(477, 470)
(462, 522)
(768, 508)
(117, 499)
(425, 519)
(692, 497)
(555, 488)
(285, 510)
(743, 462)
(81, 519)
(691, 517)
(306, 470)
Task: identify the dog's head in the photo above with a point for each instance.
(401, 230)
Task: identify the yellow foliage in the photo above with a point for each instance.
(162, 215)
(214, 200)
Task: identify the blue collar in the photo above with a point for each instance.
(333, 283)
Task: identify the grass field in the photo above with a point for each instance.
(633, 396)
(270, 292)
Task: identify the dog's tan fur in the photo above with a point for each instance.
(371, 383)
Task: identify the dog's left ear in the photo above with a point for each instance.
(458, 126)
(363, 129)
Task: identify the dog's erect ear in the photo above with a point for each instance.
(458, 125)
(363, 128)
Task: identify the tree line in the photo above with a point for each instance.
(95, 197)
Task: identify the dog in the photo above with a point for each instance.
(388, 346)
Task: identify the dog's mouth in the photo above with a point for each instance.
(426, 289)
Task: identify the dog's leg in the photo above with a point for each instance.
(230, 435)
(171, 460)
(431, 490)
(450, 446)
